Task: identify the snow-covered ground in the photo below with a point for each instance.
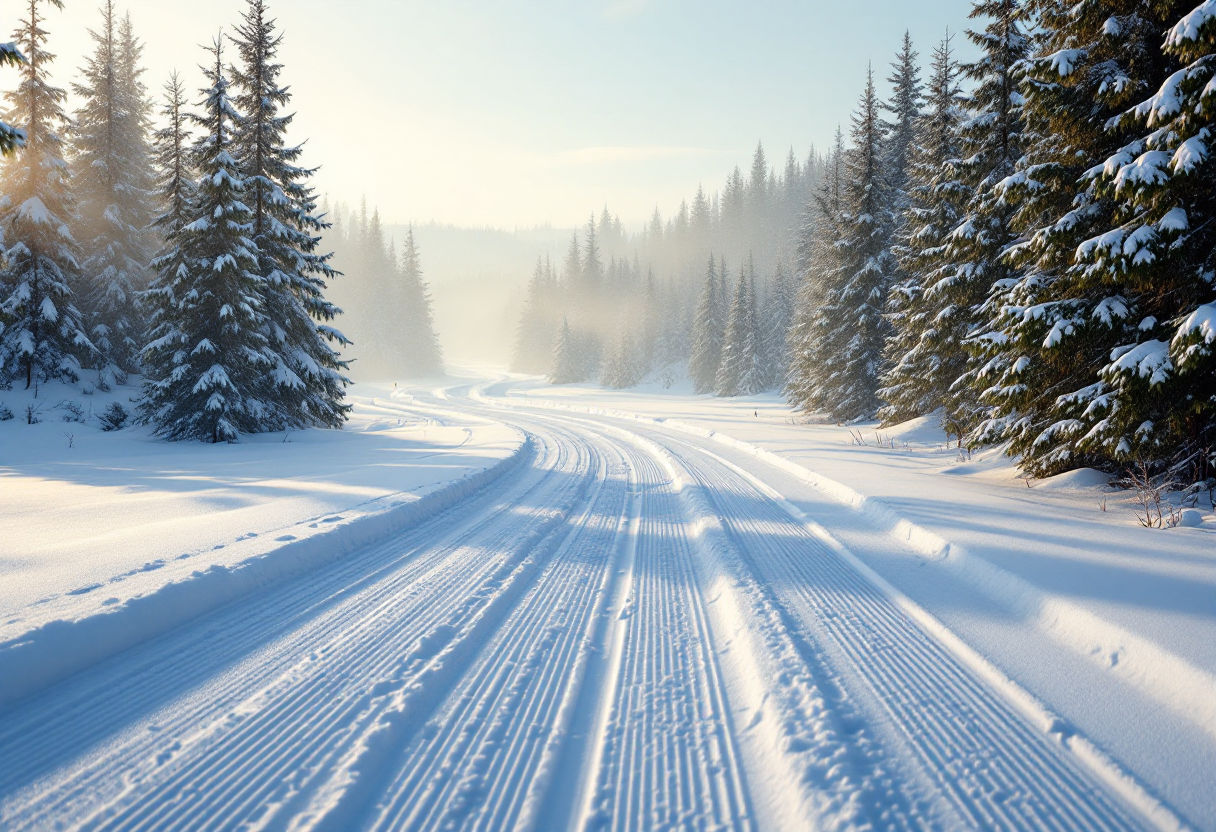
(660, 611)
(97, 522)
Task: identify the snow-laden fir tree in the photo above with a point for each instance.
(623, 367)
(176, 184)
(1156, 398)
(113, 181)
(420, 353)
(775, 319)
(536, 331)
(568, 364)
(1057, 325)
(991, 142)
(904, 107)
(308, 377)
(651, 317)
(850, 328)
(925, 350)
(42, 335)
(810, 339)
(11, 138)
(589, 332)
(739, 371)
(208, 366)
(707, 330)
(176, 189)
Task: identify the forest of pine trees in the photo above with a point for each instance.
(1024, 244)
(177, 243)
(645, 306)
(384, 291)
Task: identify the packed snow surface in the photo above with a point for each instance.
(567, 608)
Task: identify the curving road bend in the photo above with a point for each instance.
(630, 631)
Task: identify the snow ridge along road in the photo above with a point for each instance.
(625, 631)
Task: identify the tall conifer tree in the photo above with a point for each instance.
(1056, 327)
(707, 331)
(851, 329)
(113, 182)
(420, 353)
(810, 339)
(926, 351)
(42, 335)
(991, 142)
(207, 365)
(308, 373)
(1156, 399)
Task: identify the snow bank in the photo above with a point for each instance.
(120, 537)
(60, 648)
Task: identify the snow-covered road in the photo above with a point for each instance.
(631, 630)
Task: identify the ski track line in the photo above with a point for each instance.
(816, 765)
(478, 761)
(669, 757)
(320, 708)
(1141, 662)
(73, 797)
(797, 740)
(952, 720)
(629, 632)
(887, 649)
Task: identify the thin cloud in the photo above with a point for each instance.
(609, 154)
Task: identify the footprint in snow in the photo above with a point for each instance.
(84, 589)
(285, 538)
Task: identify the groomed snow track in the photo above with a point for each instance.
(628, 631)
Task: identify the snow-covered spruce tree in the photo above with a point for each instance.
(568, 365)
(752, 380)
(991, 142)
(651, 322)
(904, 107)
(776, 318)
(177, 189)
(113, 181)
(588, 332)
(925, 349)
(536, 331)
(707, 332)
(421, 354)
(207, 367)
(308, 377)
(623, 367)
(810, 338)
(11, 138)
(176, 185)
(738, 372)
(1057, 325)
(758, 205)
(42, 335)
(1156, 398)
(853, 331)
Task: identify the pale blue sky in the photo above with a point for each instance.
(517, 113)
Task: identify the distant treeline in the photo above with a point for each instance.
(1034, 256)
